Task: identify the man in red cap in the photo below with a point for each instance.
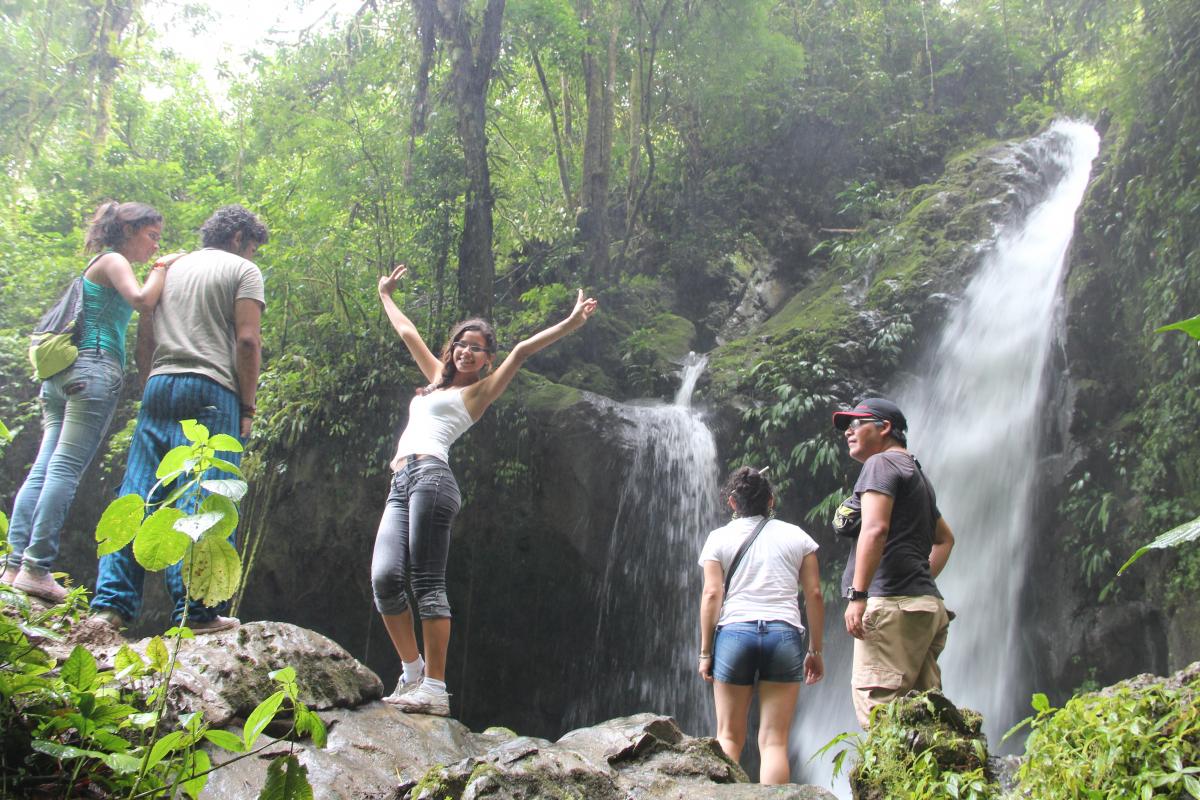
(894, 611)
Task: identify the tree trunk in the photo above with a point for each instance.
(112, 18)
(598, 78)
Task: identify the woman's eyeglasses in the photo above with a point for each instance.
(474, 348)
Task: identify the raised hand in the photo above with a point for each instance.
(583, 309)
(388, 283)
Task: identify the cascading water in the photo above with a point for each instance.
(975, 410)
(647, 633)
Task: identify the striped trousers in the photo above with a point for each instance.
(166, 400)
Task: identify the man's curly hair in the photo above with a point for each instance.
(225, 223)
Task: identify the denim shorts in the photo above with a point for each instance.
(770, 651)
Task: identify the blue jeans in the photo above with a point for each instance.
(77, 407)
(167, 400)
(414, 537)
(774, 651)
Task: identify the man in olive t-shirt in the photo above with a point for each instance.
(894, 610)
(199, 356)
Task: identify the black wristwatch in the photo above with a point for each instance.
(853, 594)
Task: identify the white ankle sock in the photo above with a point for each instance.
(413, 669)
(436, 685)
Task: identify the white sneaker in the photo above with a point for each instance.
(402, 688)
(423, 700)
(214, 625)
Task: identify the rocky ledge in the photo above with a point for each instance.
(375, 751)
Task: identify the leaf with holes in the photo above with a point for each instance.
(119, 523)
(212, 570)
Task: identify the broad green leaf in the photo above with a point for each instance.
(3, 525)
(226, 740)
(1041, 703)
(144, 720)
(165, 746)
(156, 651)
(212, 570)
(227, 466)
(181, 631)
(157, 544)
(198, 765)
(61, 751)
(225, 443)
(128, 657)
(235, 490)
(259, 718)
(177, 459)
(121, 763)
(220, 504)
(308, 722)
(287, 779)
(283, 675)
(1189, 326)
(194, 431)
(79, 670)
(196, 525)
(1187, 532)
(119, 523)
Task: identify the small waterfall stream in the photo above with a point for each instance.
(975, 409)
(647, 630)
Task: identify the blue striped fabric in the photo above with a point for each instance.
(166, 400)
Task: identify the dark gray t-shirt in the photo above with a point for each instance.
(904, 568)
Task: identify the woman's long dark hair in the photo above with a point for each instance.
(751, 492)
(449, 370)
(106, 231)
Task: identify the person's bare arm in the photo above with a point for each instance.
(427, 362)
(876, 522)
(115, 270)
(814, 607)
(943, 543)
(247, 324)
(711, 598)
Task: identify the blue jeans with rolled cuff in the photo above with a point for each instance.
(413, 541)
(77, 407)
(766, 650)
(167, 400)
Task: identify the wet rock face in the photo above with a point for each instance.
(379, 752)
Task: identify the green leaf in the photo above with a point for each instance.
(1187, 532)
(157, 544)
(79, 670)
(1041, 703)
(156, 651)
(119, 523)
(177, 460)
(194, 431)
(220, 504)
(212, 570)
(61, 751)
(260, 717)
(165, 746)
(287, 779)
(3, 525)
(195, 525)
(198, 763)
(226, 740)
(128, 657)
(283, 675)
(1189, 326)
(227, 466)
(225, 443)
(235, 490)
(308, 722)
(121, 763)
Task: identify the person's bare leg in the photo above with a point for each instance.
(403, 636)
(777, 707)
(733, 710)
(437, 641)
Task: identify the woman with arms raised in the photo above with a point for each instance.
(750, 624)
(78, 402)
(413, 541)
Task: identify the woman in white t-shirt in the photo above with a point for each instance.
(755, 632)
(413, 540)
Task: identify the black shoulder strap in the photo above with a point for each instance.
(737, 557)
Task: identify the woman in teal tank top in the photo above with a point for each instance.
(78, 403)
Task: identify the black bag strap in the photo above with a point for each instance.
(737, 557)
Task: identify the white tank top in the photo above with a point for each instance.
(435, 421)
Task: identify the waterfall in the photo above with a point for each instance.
(647, 631)
(975, 409)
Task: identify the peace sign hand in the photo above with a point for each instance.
(388, 283)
